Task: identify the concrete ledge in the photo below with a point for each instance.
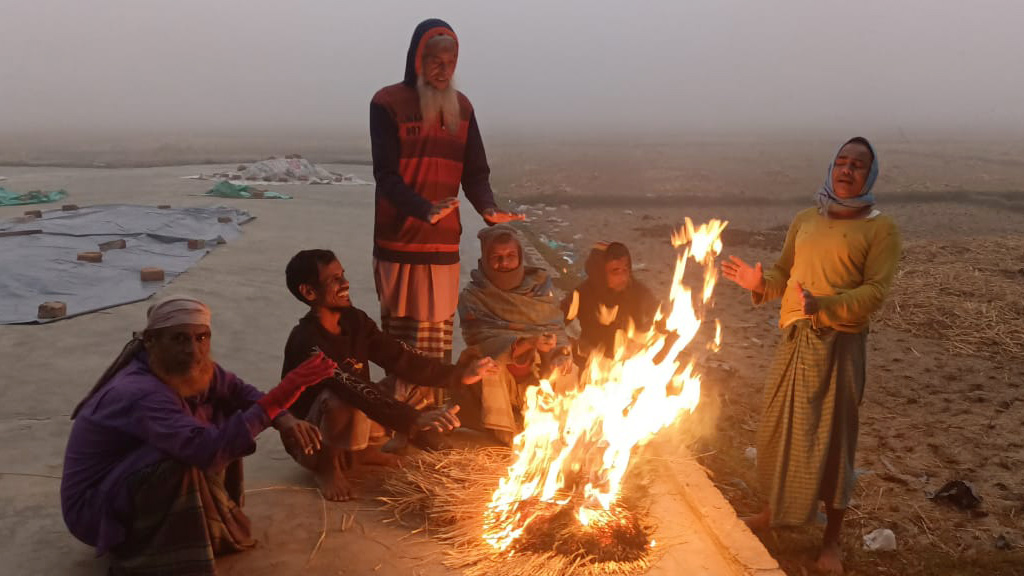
(734, 541)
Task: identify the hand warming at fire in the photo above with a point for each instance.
(562, 362)
(747, 276)
(475, 372)
(442, 208)
(492, 216)
(295, 432)
(440, 419)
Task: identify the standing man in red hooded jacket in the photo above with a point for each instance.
(426, 143)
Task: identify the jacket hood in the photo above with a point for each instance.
(423, 33)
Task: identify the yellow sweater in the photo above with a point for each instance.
(848, 265)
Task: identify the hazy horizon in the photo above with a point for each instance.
(571, 67)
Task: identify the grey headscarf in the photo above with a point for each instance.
(826, 196)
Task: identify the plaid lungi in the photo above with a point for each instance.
(433, 339)
(182, 518)
(807, 438)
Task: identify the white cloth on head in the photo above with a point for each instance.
(175, 311)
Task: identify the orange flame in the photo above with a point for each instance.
(586, 437)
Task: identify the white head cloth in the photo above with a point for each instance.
(175, 311)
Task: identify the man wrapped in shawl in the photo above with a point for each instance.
(153, 471)
(609, 300)
(836, 269)
(508, 312)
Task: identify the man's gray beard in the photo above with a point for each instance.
(444, 102)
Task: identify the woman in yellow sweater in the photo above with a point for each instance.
(835, 270)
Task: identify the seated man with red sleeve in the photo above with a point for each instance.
(153, 469)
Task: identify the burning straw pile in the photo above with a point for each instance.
(968, 294)
(446, 494)
(561, 503)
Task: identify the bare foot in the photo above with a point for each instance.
(760, 522)
(333, 484)
(831, 560)
(373, 456)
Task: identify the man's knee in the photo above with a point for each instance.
(336, 416)
(341, 424)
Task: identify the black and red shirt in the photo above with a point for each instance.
(416, 165)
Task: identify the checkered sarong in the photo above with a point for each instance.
(182, 518)
(433, 339)
(807, 438)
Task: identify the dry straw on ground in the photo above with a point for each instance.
(969, 294)
(446, 493)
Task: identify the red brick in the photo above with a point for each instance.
(94, 257)
(52, 310)
(152, 275)
(34, 213)
(69, 207)
(196, 244)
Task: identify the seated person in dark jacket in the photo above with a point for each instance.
(607, 301)
(343, 407)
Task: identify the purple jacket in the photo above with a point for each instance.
(136, 421)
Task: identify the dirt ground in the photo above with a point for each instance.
(935, 409)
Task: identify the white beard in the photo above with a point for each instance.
(434, 102)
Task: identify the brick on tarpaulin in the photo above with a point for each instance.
(52, 310)
(69, 207)
(257, 194)
(34, 213)
(196, 244)
(225, 219)
(94, 257)
(118, 244)
(152, 274)
(164, 206)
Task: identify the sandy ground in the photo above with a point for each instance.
(47, 369)
(930, 414)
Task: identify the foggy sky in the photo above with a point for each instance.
(529, 65)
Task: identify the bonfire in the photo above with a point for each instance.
(559, 508)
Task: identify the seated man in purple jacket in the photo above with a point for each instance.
(152, 472)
